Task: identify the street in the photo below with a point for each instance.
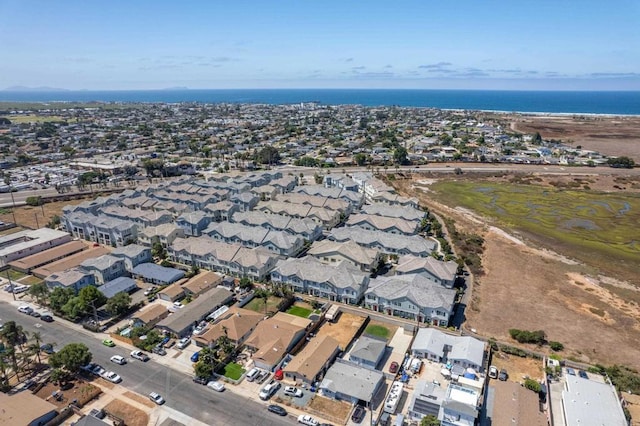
(181, 394)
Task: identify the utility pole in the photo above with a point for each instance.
(35, 214)
(11, 284)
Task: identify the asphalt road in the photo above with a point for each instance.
(177, 388)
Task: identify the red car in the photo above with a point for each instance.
(393, 368)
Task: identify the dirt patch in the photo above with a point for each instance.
(81, 391)
(633, 404)
(608, 135)
(131, 415)
(517, 367)
(344, 330)
(33, 217)
(330, 409)
(139, 398)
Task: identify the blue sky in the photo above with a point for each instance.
(461, 44)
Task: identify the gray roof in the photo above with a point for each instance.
(415, 287)
(587, 402)
(152, 271)
(404, 212)
(202, 306)
(101, 263)
(308, 268)
(434, 341)
(130, 251)
(461, 407)
(442, 270)
(352, 380)
(68, 277)
(114, 287)
(391, 242)
(288, 224)
(355, 198)
(368, 349)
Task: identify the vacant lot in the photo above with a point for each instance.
(33, 217)
(609, 135)
(518, 368)
(257, 304)
(533, 281)
(344, 330)
(132, 416)
(330, 409)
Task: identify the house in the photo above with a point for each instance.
(181, 322)
(254, 236)
(156, 274)
(411, 296)
(121, 284)
(392, 244)
(384, 224)
(201, 283)
(274, 337)
(25, 243)
(150, 315)
(25, 408)
(438, 271)
(426, 400)
(164, 234)
(69, 262)
(333, 252)
(355, 198)
(460, 406)
(407, 213)
(437, 346)
(367, 352)
(590, 402)
(312, 361)
(245, 201)
(345, 381)
(514, 404)
(74, 278)
(344, 207)
(105, 268)
(171, 293)
(326, 218)
(101, 229)
(193, 223)
(253, 263)
(222, 210)
(27, 264)
(341, 282)
(306, 228)
(237, 324)
(133, 255)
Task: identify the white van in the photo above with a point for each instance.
(251, 375)
(268, 391)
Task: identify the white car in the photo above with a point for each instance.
(140, 356)
(157, 398)
(292, 391)
(148, 291)
(184, 342)
(493, 372)
(112, 377)
(120, 360)
(305, 419)
(98, 370)
(268, 391)
(201, 328)
(25, 309)
(216, 385)
(178, 305)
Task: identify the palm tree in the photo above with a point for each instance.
(35, 346)
(4, 380)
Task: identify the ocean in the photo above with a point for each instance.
(557, 102)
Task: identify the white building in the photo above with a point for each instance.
(25, 243)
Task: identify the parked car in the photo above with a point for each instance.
(47, 348)
(148, 291)
(268, 391)
(157, 398)
(184, 342)
(178, 305)
(571, 372)
(46, 318)
(89, 367)
(140, 356)
(195, 357)
(35, 314)
(98, 414)
(277, 409)
(393, 368)
(216, 385)
(583, 374)
(159, 350)
(98, 370)
(120, 360)
(493, 372)
(503, 376)
(200, 380)
(292, 391)
(108, 342)
(305, 419)
(200, 328)
(261, 377)
(358, 414)
(112, 377)
(25, 309)
(251, 375)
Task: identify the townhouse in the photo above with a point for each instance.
(333, 252)
(438, 271)
(253, 236)
(164, 234)
(133, 255)
(105, 268)
(306, 228)
(384, 224)
(385, 242)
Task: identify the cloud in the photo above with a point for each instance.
(77, 59)
(388, 67)
(614, 74)
(445, 71)
(384, 74)
(471, 72)
(224, 59)
(438, 65)
(348, 60)
(361, 67)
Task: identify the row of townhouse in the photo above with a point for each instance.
(306, 228)
(393, 225)
(326, 218)
(100, 229)
(385, 242)
(353, 197)
(344, 207)
(231, 259)
(376, 191)
(278, 242)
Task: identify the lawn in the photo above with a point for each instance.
(299, 311)
(233, 371)
(14, 275)
(588, 225)
(377, 330)
(30, 280)
(257, 304)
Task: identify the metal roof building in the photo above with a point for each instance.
(157, 274)
(114, 287)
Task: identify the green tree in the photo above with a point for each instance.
(35, 345)
(263, 294)
(157, 250)
(307, 161)
(430, 420)
(71, 357)
(556, 346)
(118, 304)
(92, 296)
(245, 283)
(360, 159)
(621, 162)
(34, 201)
(268, 155)
(532, 385)
(536, 138)
(59, 297)
(75, 308)
(39, 291)
(203, 369)
(400, 155)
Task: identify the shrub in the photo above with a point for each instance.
(33, 201)
(556, 346)
(532, 385)
(525, 336)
